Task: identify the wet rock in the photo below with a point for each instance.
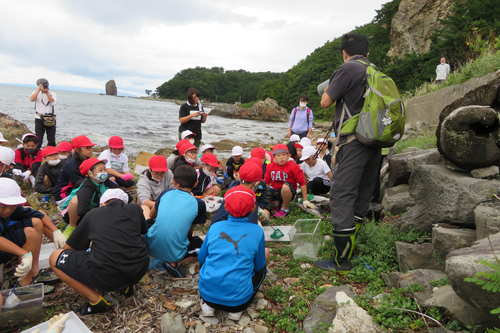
(267, 110)
(468, 137)
(485, 172)
(12, 129)
(445, 240)
(352, 318)
(487, 220)
(397, 199)
(414, 256)
(111, 88)
(402, 165)
(172, 323)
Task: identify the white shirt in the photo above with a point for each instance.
(321, 170)
(119, 164)
(442, 71)
(42, 103)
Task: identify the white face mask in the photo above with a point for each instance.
(207, 172)
(189, 160)
(115, 155)
(63, 157)
(54, 162)
(302, 105)
(192, 141)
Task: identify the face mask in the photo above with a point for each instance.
(115, 155)
(302, 105)
(29, 151)
(192, 141)
(101, 176)
(63, 157)
(207, 172)
(54, 162)
(189, 160)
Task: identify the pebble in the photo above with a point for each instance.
(210, 320)
(259, 295)
(185, 304)
(435, 289)
(229, 322)
(252, 313)
(261, 329)
(194, 268)
(304, 266)
(327, 237)
(249, 330)
(261, 304)
(200, 329)
(244, 321)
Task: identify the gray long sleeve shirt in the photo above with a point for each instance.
(148, 190)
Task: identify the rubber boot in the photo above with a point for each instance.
(358, 221)
(343, 248)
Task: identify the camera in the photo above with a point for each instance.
(45, 86)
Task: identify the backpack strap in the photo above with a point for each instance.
(294, 114)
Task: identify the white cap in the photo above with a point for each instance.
(294, 138)
(305, 141)
(307, 152)
(114, 193)
(10, 193)
(320, 140)
(186, 133)
(28, 134)
(237, 151)
(6, 155)
(205, 147)
(2, 139)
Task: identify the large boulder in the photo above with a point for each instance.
(414, 256)
(267, 110)
(487, 218)
(444, 196)
(468, 137)
(12, 129)
(397, 199)
(402, 165)
(463, 263)
(111, 88)
(445, 240)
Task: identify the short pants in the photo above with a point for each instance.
(76, 264)
(15, 233)
(275, 195)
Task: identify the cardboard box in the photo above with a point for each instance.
(141, 162)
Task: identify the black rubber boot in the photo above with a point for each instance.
(343, 248)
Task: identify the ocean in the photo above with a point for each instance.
(143, 124)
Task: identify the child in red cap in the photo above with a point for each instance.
(233, 258)
(28, 159)
(65, 148)
(175, 154)
(282, 177)
(48, 173)
(117, 166)
(187, 155)
(209, 166)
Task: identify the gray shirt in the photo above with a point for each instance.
(148, 190)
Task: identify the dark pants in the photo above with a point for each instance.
(353, 179)
(376, 190)
(257, 280)
(301, 135)
(40, 130)
(317, 187)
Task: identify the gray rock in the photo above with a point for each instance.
(172, 323)
(111, 88)
(411, 150)
(259, 295)
(444, 196)
(210, 320)
(229, 322)
(445, 240)
(422, 277)
(392, 279)
(252, 313)
(261, 329)
(12, 129)
(322, 204)
(414, 256)
(402, 165)
(397, 199)
(485, 172)
(267, 110)
(467, 137)
(157, 279)
(448, 300)
(261, 304)
(463, 263)
(324, 308)
(244, 320)
(487, 220)
(352, 318)
(200, 328)
(249, 330)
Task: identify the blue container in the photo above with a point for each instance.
(46, 198)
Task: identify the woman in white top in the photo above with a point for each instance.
(316, 172)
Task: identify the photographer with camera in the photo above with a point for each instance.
(45, 119)
(192, 115)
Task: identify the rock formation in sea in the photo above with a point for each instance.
(111, 88)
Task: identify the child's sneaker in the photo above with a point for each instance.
(276, 209)
(174, 270)
(235, 315)
(68, 231)
(281, 213)
(127, 292)
(206, 310)
(101, 306)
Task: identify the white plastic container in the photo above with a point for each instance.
(73, 325)
(45, 252)
(28, 312)
(305, 238)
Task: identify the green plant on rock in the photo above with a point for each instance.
(488, 280)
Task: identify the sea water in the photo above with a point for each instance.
(143, 124)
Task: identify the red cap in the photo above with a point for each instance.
(250, 172)
(64, 146)
(210, 159)
(49, 150)
(181, 143)
(81, 141)
(89, 163)
(254, 160)
(298, 145)
(239, 200)
(158, 163)
(258, 152)
(115, 142)
(185, 147)
(280, 148)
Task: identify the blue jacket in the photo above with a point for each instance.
(20, 213)
(232, 252)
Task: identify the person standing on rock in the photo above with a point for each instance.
(442, 71)
(44, 104)
(192, 115)
(356, 165)
(301, 119)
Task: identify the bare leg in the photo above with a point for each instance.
(146, 210)
(73, 211)
(286, 195)
(33, 242)
(214, 190)
(92, 294)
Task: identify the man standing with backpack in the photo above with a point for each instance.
(356, 165)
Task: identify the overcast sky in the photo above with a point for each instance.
(141, 44)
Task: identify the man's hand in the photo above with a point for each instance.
(24, 267)
(288, 133)
(40, 87)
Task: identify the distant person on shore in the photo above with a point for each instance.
(234, 163)
(301, 119)
(117, 165)
(192, 115)
(44, 104)
(442, 71)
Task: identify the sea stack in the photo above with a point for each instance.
(111, 88)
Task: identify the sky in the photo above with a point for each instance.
(141, 44)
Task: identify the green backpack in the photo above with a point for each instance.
(381, 122)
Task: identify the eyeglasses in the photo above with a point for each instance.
(88, 148)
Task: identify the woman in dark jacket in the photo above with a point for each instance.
(192, 115)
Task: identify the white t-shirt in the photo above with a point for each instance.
(119, 164)
(42, 103)
(321, 169)
(442, 71)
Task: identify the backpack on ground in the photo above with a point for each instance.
(381, 122)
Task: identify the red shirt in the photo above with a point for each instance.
(29, 163)
(290, 172)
